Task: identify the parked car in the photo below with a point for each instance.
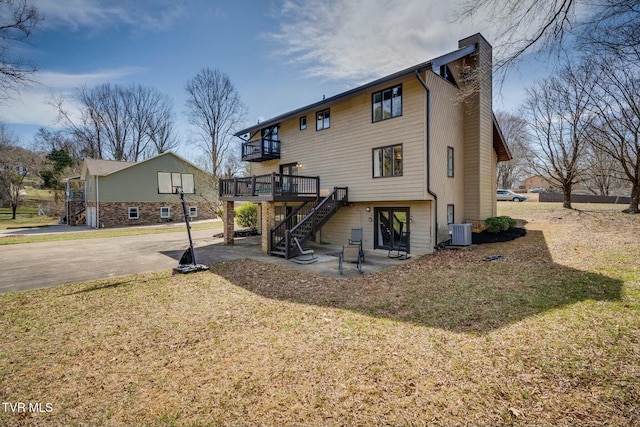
(510, 195)
(537, 190)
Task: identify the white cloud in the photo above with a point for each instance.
(362, 39)
(98, 14)
(32, 105)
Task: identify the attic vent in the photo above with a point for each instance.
(460, 234)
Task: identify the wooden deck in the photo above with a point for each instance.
(273, 187)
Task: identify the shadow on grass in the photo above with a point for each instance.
(452, 290)
(102, 286)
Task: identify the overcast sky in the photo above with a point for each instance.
(280, 54)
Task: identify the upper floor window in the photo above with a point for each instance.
(323, 119)
(387, 161)
(386, 103)
(450, 161)
(303, 122)
(271, 133)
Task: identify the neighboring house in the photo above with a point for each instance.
(113, 194)
(411, 152)
(537, 181)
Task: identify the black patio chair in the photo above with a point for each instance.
(351, 253)
(401, 246)
(306, 255)
(356, 239)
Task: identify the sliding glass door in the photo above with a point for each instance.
(390, 223)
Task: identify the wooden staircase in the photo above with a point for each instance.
(304, 222)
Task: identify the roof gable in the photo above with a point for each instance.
(99, 167)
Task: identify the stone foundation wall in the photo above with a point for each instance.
(116, 214)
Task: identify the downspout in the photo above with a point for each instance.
(66, 207)
(97, 204)
(428, 118)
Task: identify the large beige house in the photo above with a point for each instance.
(114, 194)
(411, 152)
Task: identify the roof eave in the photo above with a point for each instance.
(432, 64)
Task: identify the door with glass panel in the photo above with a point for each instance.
(390, 223)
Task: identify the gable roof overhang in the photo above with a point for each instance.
(99, 167)
(433, 64)
(499, 144)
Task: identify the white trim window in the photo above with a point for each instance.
(134, 213)
(165, 212)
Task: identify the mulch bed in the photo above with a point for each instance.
(504, 236)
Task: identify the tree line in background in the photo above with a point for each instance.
(109, 121)
(578, 127)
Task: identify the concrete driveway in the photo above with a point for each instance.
(39, 265)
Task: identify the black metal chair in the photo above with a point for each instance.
(351, 253)
(356, 239)
(401, 246)
(306, 255)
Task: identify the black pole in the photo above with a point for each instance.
(186, 221)
(183, 266)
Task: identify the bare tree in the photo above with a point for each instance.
(161, 130)
(602, 175)
(214, 108)
(617, 127)
(17, 20)
(514, 130)
(120, 123)
(549, 25)
(558, 116)
(16, 163)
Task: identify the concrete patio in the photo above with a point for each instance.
(327, 257)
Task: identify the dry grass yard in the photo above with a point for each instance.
(548, 335)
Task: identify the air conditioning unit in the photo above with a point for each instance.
(460, 234)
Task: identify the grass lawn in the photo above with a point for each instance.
(548, 335)
(25, 217)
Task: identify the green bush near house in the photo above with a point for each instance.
(496, 224)
(247, 215)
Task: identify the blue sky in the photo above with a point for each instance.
(280, 54)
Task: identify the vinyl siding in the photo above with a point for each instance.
(479, 157)
(342, 155)
(338, 230)
(446, 131)
(139, 183)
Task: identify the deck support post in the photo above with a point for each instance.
(228, 215)
(267, 222)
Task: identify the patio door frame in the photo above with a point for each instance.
(377, 211)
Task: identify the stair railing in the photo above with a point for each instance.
(317, 217)
(277, 233)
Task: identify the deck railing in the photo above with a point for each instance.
(75, 196)
(260, 150)
(271, 186)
